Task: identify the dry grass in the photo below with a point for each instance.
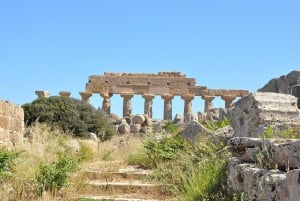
(43, 146)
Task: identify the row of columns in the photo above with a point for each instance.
(149, 102)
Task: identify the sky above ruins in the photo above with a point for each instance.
(55, 45)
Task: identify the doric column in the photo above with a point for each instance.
(65, 93)
(42, 94)
(148, 104)
(85, 96)
(187, 104)
(208, 102)
(126, 104)
(228, 100)
(106, 102)
(167, 106)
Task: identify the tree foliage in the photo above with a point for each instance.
(69, 114)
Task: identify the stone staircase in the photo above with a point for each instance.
(122, 184)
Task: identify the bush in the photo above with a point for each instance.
(172, 128)
(54, 175)
(202, 175)
(69, 114)
(196, 173)
(166, 149)
(7, 163)
(214, 125)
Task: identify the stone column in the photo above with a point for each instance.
(85, 96)
(228, 100)
(65, 93)
(187, 104)
(208, 102)
(42, 94)
(126, 104)
(148, 104)
(106, 102)
(167, 106)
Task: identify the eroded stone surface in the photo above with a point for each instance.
(194, 130)
(11, 124)
(252, 114)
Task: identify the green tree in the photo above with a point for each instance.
(69, 114)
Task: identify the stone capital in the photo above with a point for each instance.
(148, 96)
(207, 98)
(85, 96)
(106, 95)
(167, 97)
(187, 97)
(42, 94)
(228, 100)
(65, 93)
(126, 95)
(228, 97)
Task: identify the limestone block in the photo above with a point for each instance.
(138, 119)
(245, 142)
(124, 128)
(257, 184)
(74, 145)
(189, 117)
(214, 114)
(178, 119)
(135, 128)
(293, 184)
(225, 133)
(287, 154)
(251, 114)
(148, 121)
(194, 130)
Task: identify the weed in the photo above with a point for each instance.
(85, 153)
(288, 134)
(7, 163)
(214, 125)
(54, 175)
(140, 159)
(166, 149)
(106, 155)
(268, 133)
(172, 128)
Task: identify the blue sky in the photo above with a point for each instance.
(55, 45)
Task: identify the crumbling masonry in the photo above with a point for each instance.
(164, 84)
(11, 123)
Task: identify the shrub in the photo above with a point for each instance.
(85, 153)
(173, 128)
(7, 163)
(69, 114)
(268, 133)
(288, 134)
(214, 125)
(140, 159)
(202, 173)
(166, 149)
(54, 175)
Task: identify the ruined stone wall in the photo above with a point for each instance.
(11, 123)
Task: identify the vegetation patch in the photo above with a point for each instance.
(69, 114)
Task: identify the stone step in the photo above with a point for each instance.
(100, 187)
(116, 175)
(121, 198)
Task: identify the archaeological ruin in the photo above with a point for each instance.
(11, 123)
(164, 84)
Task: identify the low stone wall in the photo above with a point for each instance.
(265, 169)
(11, 123)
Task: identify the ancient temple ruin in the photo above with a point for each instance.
(164, 84)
